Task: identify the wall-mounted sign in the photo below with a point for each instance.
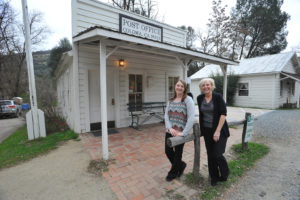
(140, 28)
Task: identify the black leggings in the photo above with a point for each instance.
(217, 164)
(174, 155)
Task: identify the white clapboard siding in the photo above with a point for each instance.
(65, 95)
(289, 67)
(261, 91)
(90, 13)
(154, 69)
(194, 88)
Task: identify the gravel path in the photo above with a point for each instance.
(276, 176)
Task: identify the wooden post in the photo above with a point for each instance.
(224, 70)
(174, 141)
(103, 94)
(196, 167)
(245, 144)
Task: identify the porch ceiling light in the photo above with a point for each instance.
(121, 63)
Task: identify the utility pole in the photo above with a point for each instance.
(35, 118)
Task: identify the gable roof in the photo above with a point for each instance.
(258, 65)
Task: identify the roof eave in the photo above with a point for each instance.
(197, 56)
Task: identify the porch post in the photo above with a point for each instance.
(224, 70)
(185, 70)
(183, 64)
(103, 95)
(76, 108)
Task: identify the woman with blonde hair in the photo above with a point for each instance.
(214, 128)
(179, 119)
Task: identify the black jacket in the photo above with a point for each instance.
(219, 109)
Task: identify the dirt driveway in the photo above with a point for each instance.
(9, 126)
(61, 174)
(276, 176)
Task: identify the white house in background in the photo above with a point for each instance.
(94, 87)
(266, 81)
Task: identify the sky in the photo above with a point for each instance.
(195, 13)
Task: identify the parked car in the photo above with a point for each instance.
(10, 108)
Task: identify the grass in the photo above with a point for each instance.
(17, 148)
(245, 160)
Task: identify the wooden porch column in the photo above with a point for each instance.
(76, 108)
(103, 95)
(224, 70)
(183, 64)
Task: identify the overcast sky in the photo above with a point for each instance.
(195, 13)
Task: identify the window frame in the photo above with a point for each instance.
(248, 89)
(168, 88)
(135, 92)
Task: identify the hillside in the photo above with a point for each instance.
(40, 59)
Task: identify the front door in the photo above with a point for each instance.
(94, 97)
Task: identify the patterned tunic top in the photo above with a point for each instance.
(180, 115)
(177, 115)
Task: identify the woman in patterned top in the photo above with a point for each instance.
(179, 120)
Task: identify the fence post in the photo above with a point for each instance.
(245, 144)
(196, 167)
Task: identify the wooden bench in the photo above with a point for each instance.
(147, 109)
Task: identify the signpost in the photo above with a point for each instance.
(247, 130)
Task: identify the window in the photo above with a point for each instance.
(135, 88)
(243, 89)
(172, 82)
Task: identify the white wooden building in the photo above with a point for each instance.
(94, 86)
(265, 82)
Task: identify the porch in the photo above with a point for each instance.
(139, 165)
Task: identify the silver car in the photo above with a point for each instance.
(10, 108)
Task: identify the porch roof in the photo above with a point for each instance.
(114, 38)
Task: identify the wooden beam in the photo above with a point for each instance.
(224, 70)
(112, 51)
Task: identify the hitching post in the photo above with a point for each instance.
(245, 144)
(174, 141)
(196, 132)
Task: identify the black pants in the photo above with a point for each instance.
(175, 157)
(217, 164)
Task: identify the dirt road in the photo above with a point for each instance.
(277, 175)
(9, 126)
(61, 174)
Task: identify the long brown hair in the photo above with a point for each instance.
(184, 92)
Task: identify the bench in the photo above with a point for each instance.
(147, 109)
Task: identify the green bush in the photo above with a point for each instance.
(232, 85)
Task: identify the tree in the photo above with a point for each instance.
(190, 36)
(13, 77)
(261, 24)
(219, 28)
(56, 53)
(145, 8)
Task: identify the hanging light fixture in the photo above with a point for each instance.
(121, 63)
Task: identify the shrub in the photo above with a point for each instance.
(53, 121)
(232, 85)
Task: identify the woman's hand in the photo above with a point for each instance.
(216, 136)
(173, 132)
(179, 133)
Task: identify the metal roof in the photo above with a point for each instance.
(258, 65)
